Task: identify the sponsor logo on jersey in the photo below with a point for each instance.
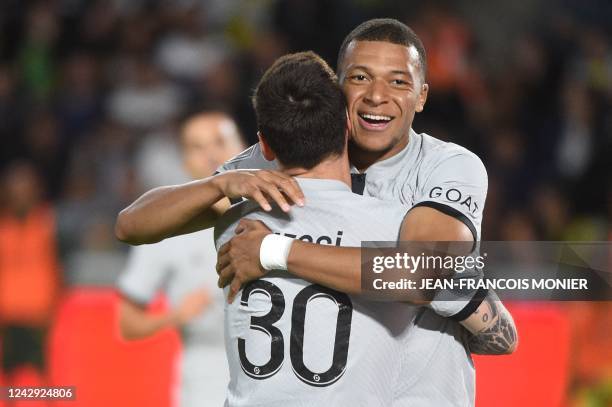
(455, 196)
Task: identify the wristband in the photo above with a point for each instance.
(274, 251)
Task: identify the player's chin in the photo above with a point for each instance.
(372, 141)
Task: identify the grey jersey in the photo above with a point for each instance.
(427, 172)
(178, 266)
(431, 172)
(293, 343)
(449, 178)
(444, 176)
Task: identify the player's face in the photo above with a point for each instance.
(384, 88)
(208, 142)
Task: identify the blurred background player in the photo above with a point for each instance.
(183, 269)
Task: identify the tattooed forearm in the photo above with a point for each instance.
(499, 339)
(492, 328)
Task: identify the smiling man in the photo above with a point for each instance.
(385, 85)
(382, 69)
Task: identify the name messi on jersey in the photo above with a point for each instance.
(454, 195)
(323, 239)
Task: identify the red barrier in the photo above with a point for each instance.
(85, 351)
(28, 376)
(537, 373)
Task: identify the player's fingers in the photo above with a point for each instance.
(240, 228)
(252, 225)
(264, 175)
(226, 275)
(224, 249)
(222, 262)
(292, 189)
(233, 290)
(287, 184)
(243, 225)
(274, 194)
(258, 196)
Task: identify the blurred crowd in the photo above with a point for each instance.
(92, 94)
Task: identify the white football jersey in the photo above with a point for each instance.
(447, 177)
(293, 343)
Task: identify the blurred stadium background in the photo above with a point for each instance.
(92, 94)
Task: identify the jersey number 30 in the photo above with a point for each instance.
(266, 322)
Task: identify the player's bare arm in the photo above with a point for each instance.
(492, 328)
(135, 322)
(175, 210)
(334, 267)
(340, 268)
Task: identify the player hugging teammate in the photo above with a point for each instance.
(301, 334)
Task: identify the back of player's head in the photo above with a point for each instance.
(301, 110)
(385, 30)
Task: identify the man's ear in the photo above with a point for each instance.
(265, 148)
(422, 98)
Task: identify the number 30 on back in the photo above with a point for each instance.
(266, 322)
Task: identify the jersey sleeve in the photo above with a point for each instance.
(250, 159)
(144, 274)
(457, 186)
(227, 223)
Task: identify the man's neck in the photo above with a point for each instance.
(363, 159)
(335, 168)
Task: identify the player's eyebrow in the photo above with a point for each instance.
(399, 72)
(366, 69)
(358, 67)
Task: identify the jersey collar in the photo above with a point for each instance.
(319, 184)
(406, 156)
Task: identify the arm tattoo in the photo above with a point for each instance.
(500, 336)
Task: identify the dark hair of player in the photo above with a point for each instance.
(301, 110)
(386, 30)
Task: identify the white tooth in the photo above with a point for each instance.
(376, 117)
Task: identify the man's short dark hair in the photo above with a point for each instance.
(301, 110)
(386, 30)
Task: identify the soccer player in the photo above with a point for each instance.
(183, 269)
(382, 68)
(320, 346)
